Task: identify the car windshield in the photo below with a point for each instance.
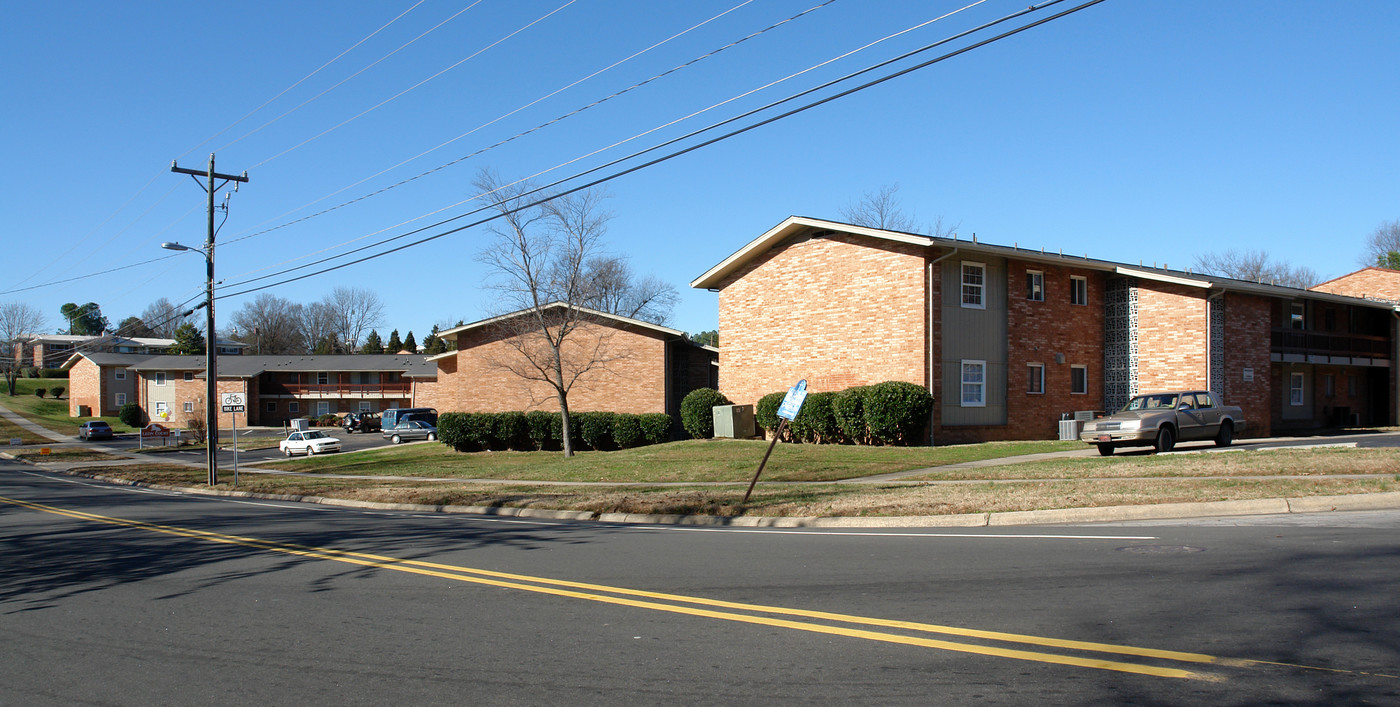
(314, 435)
(1159, 401)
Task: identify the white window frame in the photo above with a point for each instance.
(1035, 285)
(121, 399)
(1078, 290)
(1035, 379)
(323, 407)
(978, 288)
(189, 406)
(1296, 381)
(162, 406)
(119, 374)
(976, 384)
(323, 378)
(366, 406)
(160, 378)
(1072, 369)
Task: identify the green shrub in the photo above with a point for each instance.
(30, 372)
(41, 392)
(697, 414)
(329, 419)
(53, 373)
(656, 427)
(132, 415)
(896, 412)
(510, 431)
(816, 422)
(627, 430)
(452, 431)
(595, 429)
(57, 391)
(765, 413)
(848, 410)
(545, 429)
(481, 430)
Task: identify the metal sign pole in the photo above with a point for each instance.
(782, 424)
(234, 426)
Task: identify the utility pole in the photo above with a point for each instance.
(211, 340)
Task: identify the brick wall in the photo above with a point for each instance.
(1248, 322)
(1041, 332)
(1173, 337)
(478, 378)
(839, 311)
(85, 388)
(1378, 283)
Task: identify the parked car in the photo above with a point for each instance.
(360, 422)
(410, 430)
(94, 429)
(308, 443)
(1161, 420)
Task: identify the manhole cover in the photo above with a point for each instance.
(1161, 549)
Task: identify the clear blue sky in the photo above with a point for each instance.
(1135, 130)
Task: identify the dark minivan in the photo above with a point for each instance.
(394, 416)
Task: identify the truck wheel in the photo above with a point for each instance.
(1226, 436)
(1166, 439)
(1105, 450)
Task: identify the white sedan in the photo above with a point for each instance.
(308, 443)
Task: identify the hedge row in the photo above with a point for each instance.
(32, 372)
(539, 430)
(889, 413)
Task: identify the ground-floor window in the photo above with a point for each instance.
(271, 406)
(974, 384)
(293, 407)
(121, 399)
(323, 407)
(1295, 389)
(189, 406)
(366, 406)
(1079, 380)
(163, 410)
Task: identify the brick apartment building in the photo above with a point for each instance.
(638, 367)
(277, 388)
(51, 350)
(1009, 340)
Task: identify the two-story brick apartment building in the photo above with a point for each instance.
(621, 365)
(51, 350)
(1009, 340)
(277, 388)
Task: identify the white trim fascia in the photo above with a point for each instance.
(1159, 277)
(551, 305)
(442, 355)
(761, 244)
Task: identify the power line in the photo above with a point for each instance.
(711, 141)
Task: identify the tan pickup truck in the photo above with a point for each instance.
(1161, 420)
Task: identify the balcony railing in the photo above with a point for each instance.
(345, 390)
(1325, 343)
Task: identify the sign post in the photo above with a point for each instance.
(234, 403)
(792, 404)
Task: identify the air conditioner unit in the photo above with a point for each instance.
(1087, 415)
(1070, 429)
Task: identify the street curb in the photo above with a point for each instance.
(1165, 511)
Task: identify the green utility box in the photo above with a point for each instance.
(734, 421)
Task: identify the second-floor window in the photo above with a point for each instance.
(1035, 285)
(1035, 378)
(189, 375)
(160, 377)
(974, 283)
(1079, 380)
(323, 378)
(1295, 316)
(1078, 290)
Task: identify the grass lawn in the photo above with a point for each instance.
(9, 431)
(688, 461)
(47, 411)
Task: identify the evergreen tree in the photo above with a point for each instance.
(409, 344)
(188, 340)
(372, 344)
(395, 344)
(328, 345)
(434, 344)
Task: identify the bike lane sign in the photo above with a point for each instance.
(792, 402)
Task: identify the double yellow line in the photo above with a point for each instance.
(913, 633)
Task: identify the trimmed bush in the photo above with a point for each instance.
(480, 430)
(509, 431)
(896, 412)
(41, 392)
(57, 391)
(452, 431)
(132, 415)
(595, 429)
(30, 372)
(627, 430)
(848, 410)
(656, 427)
(53, 373)
(328, 420)
(765, 413)
(545, 429)
(816, 422)
(697, 414)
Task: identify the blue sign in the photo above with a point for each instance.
(796, 395)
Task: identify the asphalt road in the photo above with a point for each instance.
(114, 595)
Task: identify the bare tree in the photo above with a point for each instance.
(318, 326)
(18, 322)
(882, 209)
(1256, 266)
(163, 318)
(354, 311)
(538, 264)
(614, 289)
(270, 324)
(1383, 245)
